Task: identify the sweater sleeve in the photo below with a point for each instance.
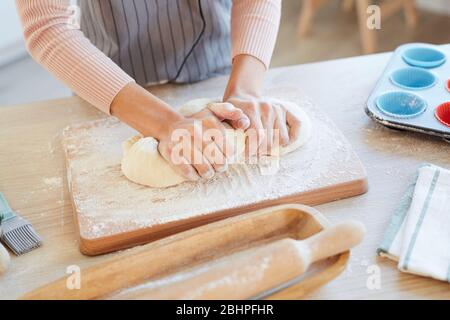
(254, 28)
(68, 54)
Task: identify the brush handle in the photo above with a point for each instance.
(6, 212)
(251, 272)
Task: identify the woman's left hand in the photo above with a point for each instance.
(270, 124)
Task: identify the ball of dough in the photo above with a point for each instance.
(4, 259)
(143, 164)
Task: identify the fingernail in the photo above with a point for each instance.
(243, 123)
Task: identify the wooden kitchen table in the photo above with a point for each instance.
(33, 179)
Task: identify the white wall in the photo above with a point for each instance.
(12, 45)
(438, 6)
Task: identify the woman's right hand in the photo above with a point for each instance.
(194, 146)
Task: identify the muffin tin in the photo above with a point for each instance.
(414, 91)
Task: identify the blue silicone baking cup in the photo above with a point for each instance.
(412, 78)
(424, 57)
(400, 104)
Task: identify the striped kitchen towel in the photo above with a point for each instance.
(418, 236)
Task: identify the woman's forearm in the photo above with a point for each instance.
(254, 28)
(144, 112)
(246, 78)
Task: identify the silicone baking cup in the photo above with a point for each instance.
(424, 57)
(413, 78)
(442, 113)
(400, 104)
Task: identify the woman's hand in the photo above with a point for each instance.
(270, 125)
(194, 146)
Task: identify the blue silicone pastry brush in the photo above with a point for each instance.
(17, 233)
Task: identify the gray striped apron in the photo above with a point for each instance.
(158, 41)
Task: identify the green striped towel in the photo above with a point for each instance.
(418, 236)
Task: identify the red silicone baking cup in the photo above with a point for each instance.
(448, 84)
(443, 113)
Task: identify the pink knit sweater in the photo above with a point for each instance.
(71, 57)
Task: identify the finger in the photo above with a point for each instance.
(186, 170)
(215, 130)
(268, 121)
(215, 157)
(281, 126)
(202, 165)
(294, 126)
(243, 123)
(199, 162)
(181, 165)
(227, 112)
(255, 135)
(214, 144)
(255, 132)
(217, 133)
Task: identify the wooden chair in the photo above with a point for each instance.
(368, 37)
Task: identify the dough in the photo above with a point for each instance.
(143, 164)
(4, 259)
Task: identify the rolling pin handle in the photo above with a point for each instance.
(334, 240)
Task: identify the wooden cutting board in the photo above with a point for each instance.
(113, 213)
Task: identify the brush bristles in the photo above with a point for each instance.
(20, 236)
(22, 240)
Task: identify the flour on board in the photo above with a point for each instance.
(107, 203)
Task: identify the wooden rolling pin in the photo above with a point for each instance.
(248, 273)
(274, 263)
